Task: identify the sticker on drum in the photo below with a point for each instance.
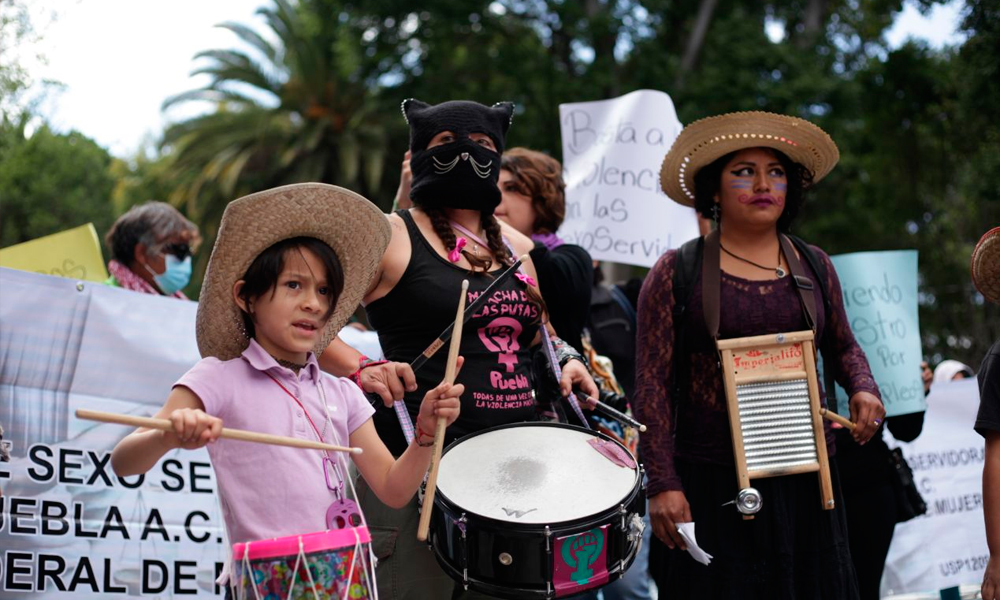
(581, 562)
(532, 474)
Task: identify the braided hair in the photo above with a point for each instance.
(494, 238)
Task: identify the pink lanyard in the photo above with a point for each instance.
(292, 396)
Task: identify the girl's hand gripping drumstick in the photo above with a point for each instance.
(449, 377)
(232, 434)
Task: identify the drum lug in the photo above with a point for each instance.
(549, 568)
(624, 513)
(462, 521)
(636, 528)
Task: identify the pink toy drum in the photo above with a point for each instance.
(313, 566)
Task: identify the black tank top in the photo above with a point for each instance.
(495, 341)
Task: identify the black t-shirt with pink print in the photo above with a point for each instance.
(495, 341)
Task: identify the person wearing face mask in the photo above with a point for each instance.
(449, 235)
(151, 247)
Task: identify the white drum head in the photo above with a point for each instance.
(533, 474)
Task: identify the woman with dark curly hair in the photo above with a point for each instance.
(533, 201)
(748, 172)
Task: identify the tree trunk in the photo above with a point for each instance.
(696, 41)
(812, 22)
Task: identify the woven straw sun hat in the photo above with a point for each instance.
(354, 227)
(706, 140)
(986, 265)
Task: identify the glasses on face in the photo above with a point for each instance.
(180, 250)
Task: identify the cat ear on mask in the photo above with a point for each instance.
(412, 107)
(504, 114)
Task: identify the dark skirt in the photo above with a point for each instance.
(791, 549)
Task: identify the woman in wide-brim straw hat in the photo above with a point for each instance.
(289, 267)
(746, 171)
(986, 277)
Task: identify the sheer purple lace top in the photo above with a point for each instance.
(696, 427)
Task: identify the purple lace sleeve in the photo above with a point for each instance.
(851, 368)
(653, 370)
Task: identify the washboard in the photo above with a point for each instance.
(774, 408)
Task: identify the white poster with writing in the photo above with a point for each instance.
(880, 297)
(947, 546)
(69, 527)
(612, 152)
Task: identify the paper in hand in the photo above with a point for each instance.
(687, 532)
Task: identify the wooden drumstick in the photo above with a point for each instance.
(832, 416)
(617, 415)
(449, 376)
(231, 434)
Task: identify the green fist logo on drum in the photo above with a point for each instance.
(580, 552)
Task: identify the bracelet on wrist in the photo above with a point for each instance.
(420, 434)
(363, 363)
(564, 352)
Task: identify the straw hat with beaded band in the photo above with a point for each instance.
(354, 227)
(986, 265)
(706, 140)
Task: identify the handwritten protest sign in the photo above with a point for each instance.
(947, 546)
(612, 151)
(74, 253)
(880, 296)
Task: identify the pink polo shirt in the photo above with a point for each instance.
(273, 491)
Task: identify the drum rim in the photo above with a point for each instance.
(313, 542)
(638, 486)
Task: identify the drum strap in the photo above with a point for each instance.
(551, 353)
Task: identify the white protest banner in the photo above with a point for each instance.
(947, 546)
(612, 151)
(880, 297)
(69, 527)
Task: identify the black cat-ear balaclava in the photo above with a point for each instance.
(462, 173)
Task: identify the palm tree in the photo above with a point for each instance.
(296, 109)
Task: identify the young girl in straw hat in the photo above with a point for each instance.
(289, 266)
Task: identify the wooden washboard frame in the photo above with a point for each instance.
(772, 378)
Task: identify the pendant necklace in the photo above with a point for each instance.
(779, 271)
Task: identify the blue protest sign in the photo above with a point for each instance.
(880, 296)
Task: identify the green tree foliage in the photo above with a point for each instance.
(50, 182)
(298, 108)
(314, 94)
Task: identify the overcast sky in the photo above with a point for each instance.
(119, 59)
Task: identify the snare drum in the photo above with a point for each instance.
(537, 510)
(326, 564)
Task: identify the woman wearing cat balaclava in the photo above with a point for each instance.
(449, 235)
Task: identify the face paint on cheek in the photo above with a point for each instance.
(741, 185)
(780, 191)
